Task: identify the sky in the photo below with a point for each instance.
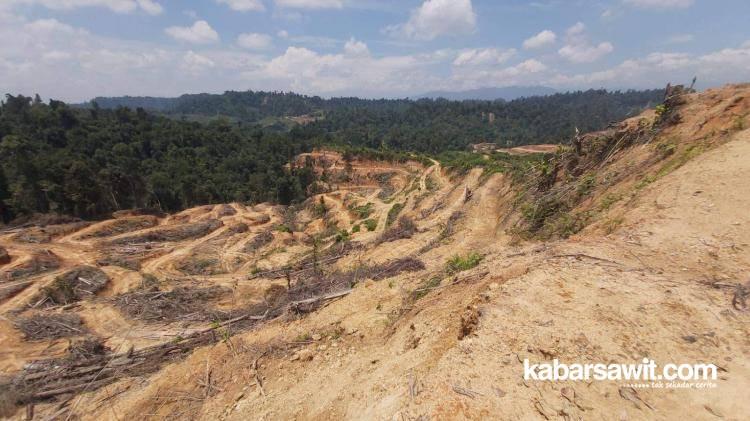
(74, 50)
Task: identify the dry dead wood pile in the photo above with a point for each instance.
(130, 256)
(315, 284)
(4, 256)
(405, 228)
(40, 262)
(172, 233)
(259, 241)
(92, 366)
(139, 212)
(75, 285)
(50, 326)
(122, 226)
(238, 228)
(45, 234)
(181, 303)
(225, 210)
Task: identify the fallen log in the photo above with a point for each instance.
(308, 305)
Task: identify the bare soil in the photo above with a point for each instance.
(309, 324)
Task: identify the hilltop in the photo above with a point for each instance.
(508, 93)
(404, 288)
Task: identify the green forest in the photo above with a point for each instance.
(424, 125)
(87, 163)
(120, 153)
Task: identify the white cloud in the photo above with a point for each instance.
(539, 40)
(56, 55)
(660, 4)
(578, 49)
(282, 34)
(195, 63)
(151, 7)
(529, 72)
(118, 6)
(200, 33)
(311, 4)
(255, 41)
(577, 29)
(659, 68)
(354, 71)
(244, 5)
(356, 48)
(483, 56)
(50, 26)
(437, 18)
(585, 53)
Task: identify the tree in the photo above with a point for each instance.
(5, 214)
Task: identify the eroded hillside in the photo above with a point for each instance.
(404, 290)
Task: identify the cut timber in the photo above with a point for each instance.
(305, 306)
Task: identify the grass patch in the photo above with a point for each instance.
(393, 214)
(494, 162)
(681, 159)
(459, 263)
(645, 181)
(425, 287)
(608, 200)
(611, 225)
(585, 185)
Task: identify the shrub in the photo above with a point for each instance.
(283, 228)
(586, 185)
(364, 211)
(355, 229)
(404, 229)
(459, 263)
(343, 236)
(371, 224)
(319, 209)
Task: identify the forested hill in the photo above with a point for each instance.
(54, 158)
(88, 161)
(423, 125)
(435, 126)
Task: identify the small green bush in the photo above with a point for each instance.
(371, 224)
(355, 229)
(343, 236)
(363, 212)
(283, 228)
(586, 185)
(459, 263)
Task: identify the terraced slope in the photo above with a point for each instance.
(405, 292)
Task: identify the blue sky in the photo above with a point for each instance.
(77, 49)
